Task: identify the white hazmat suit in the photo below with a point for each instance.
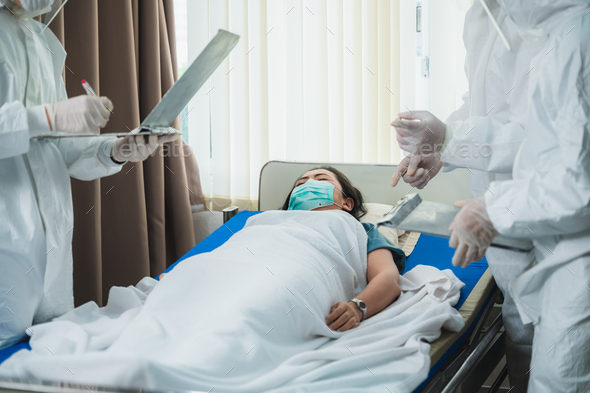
(484, 136)
(493, 115)
(549, 197)
(36, 213)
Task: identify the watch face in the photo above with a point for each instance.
(362, 304)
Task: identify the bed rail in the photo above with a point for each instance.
(481, 358)
(475, 361)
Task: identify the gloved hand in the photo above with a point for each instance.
(472, 231)
(412, 134)
(417, 170)
(136, 148)
(25, 9)
(79, 115)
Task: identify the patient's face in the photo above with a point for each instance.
(325, 175)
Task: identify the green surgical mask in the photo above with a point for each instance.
(313, 194)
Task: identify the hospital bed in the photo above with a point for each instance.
(460, 362)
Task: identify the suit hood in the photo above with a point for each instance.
(536, 18)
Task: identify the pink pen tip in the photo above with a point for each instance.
(83, 80)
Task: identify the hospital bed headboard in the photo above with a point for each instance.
(277, 178)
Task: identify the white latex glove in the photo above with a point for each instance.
(417, 170)
(79, 115)
(472, 231)
(136, 148)
(413, 134)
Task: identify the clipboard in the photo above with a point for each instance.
(413, 214)
(178, 96)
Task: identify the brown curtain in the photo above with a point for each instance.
(138, 222)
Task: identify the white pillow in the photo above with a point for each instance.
(399, 238)
(375, 212)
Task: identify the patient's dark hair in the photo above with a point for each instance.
(349, 190)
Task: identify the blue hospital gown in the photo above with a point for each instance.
(376, 241)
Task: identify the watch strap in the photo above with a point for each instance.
(363, 310)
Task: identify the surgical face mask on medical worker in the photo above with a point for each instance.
(313, 194)
(25, 9)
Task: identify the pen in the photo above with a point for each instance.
(87, 87)
(91, 92)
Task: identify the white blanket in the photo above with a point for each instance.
(249, 317)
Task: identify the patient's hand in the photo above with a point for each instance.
(344, 316)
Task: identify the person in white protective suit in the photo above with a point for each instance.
(483, 136)
(548, 198)
(36, 213)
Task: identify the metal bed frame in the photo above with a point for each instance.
(470, 367)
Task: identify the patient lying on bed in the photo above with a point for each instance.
(327, 188)
(258, 312)
(324, 189)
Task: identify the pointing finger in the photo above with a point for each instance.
(395, 178)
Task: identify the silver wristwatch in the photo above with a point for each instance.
(361, 306)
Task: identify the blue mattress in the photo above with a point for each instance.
(429, 250)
